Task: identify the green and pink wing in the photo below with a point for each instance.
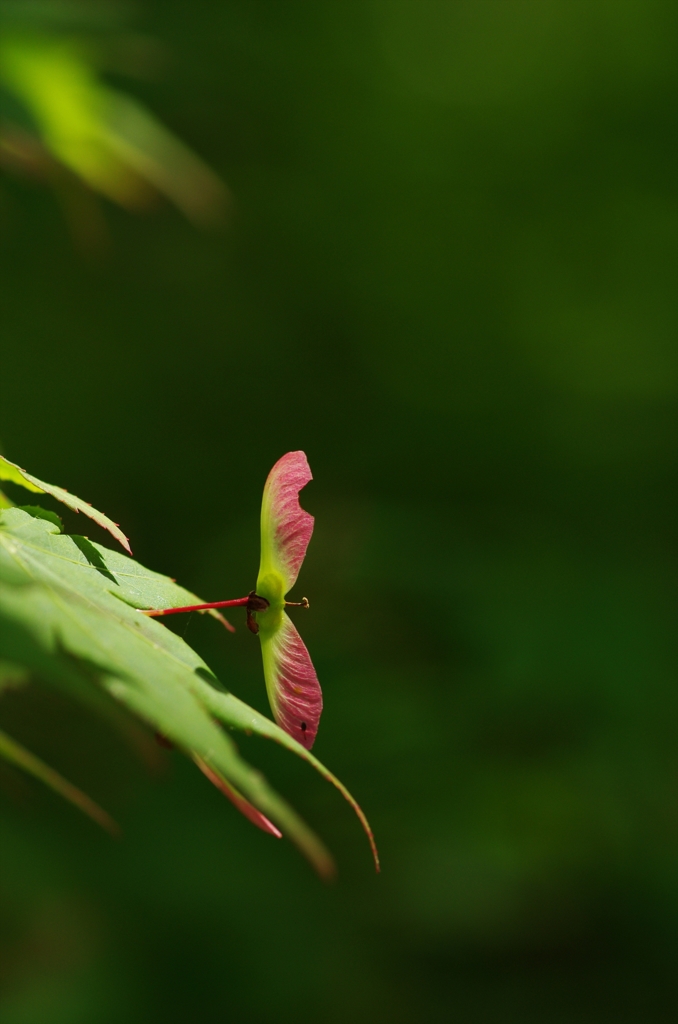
(292, 684)
(286, 528)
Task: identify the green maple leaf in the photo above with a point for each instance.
(68, 613)
(69, 616)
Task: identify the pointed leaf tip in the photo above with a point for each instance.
(10, 471)
(235, 714)
(238, 800)
(286, 528)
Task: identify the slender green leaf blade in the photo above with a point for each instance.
(17, 755)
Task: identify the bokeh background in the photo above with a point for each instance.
(448, 273)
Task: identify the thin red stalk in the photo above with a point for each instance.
(239, 602)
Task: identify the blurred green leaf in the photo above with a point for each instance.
(61, 110)
(17, 755)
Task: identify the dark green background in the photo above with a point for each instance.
(449, 276)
